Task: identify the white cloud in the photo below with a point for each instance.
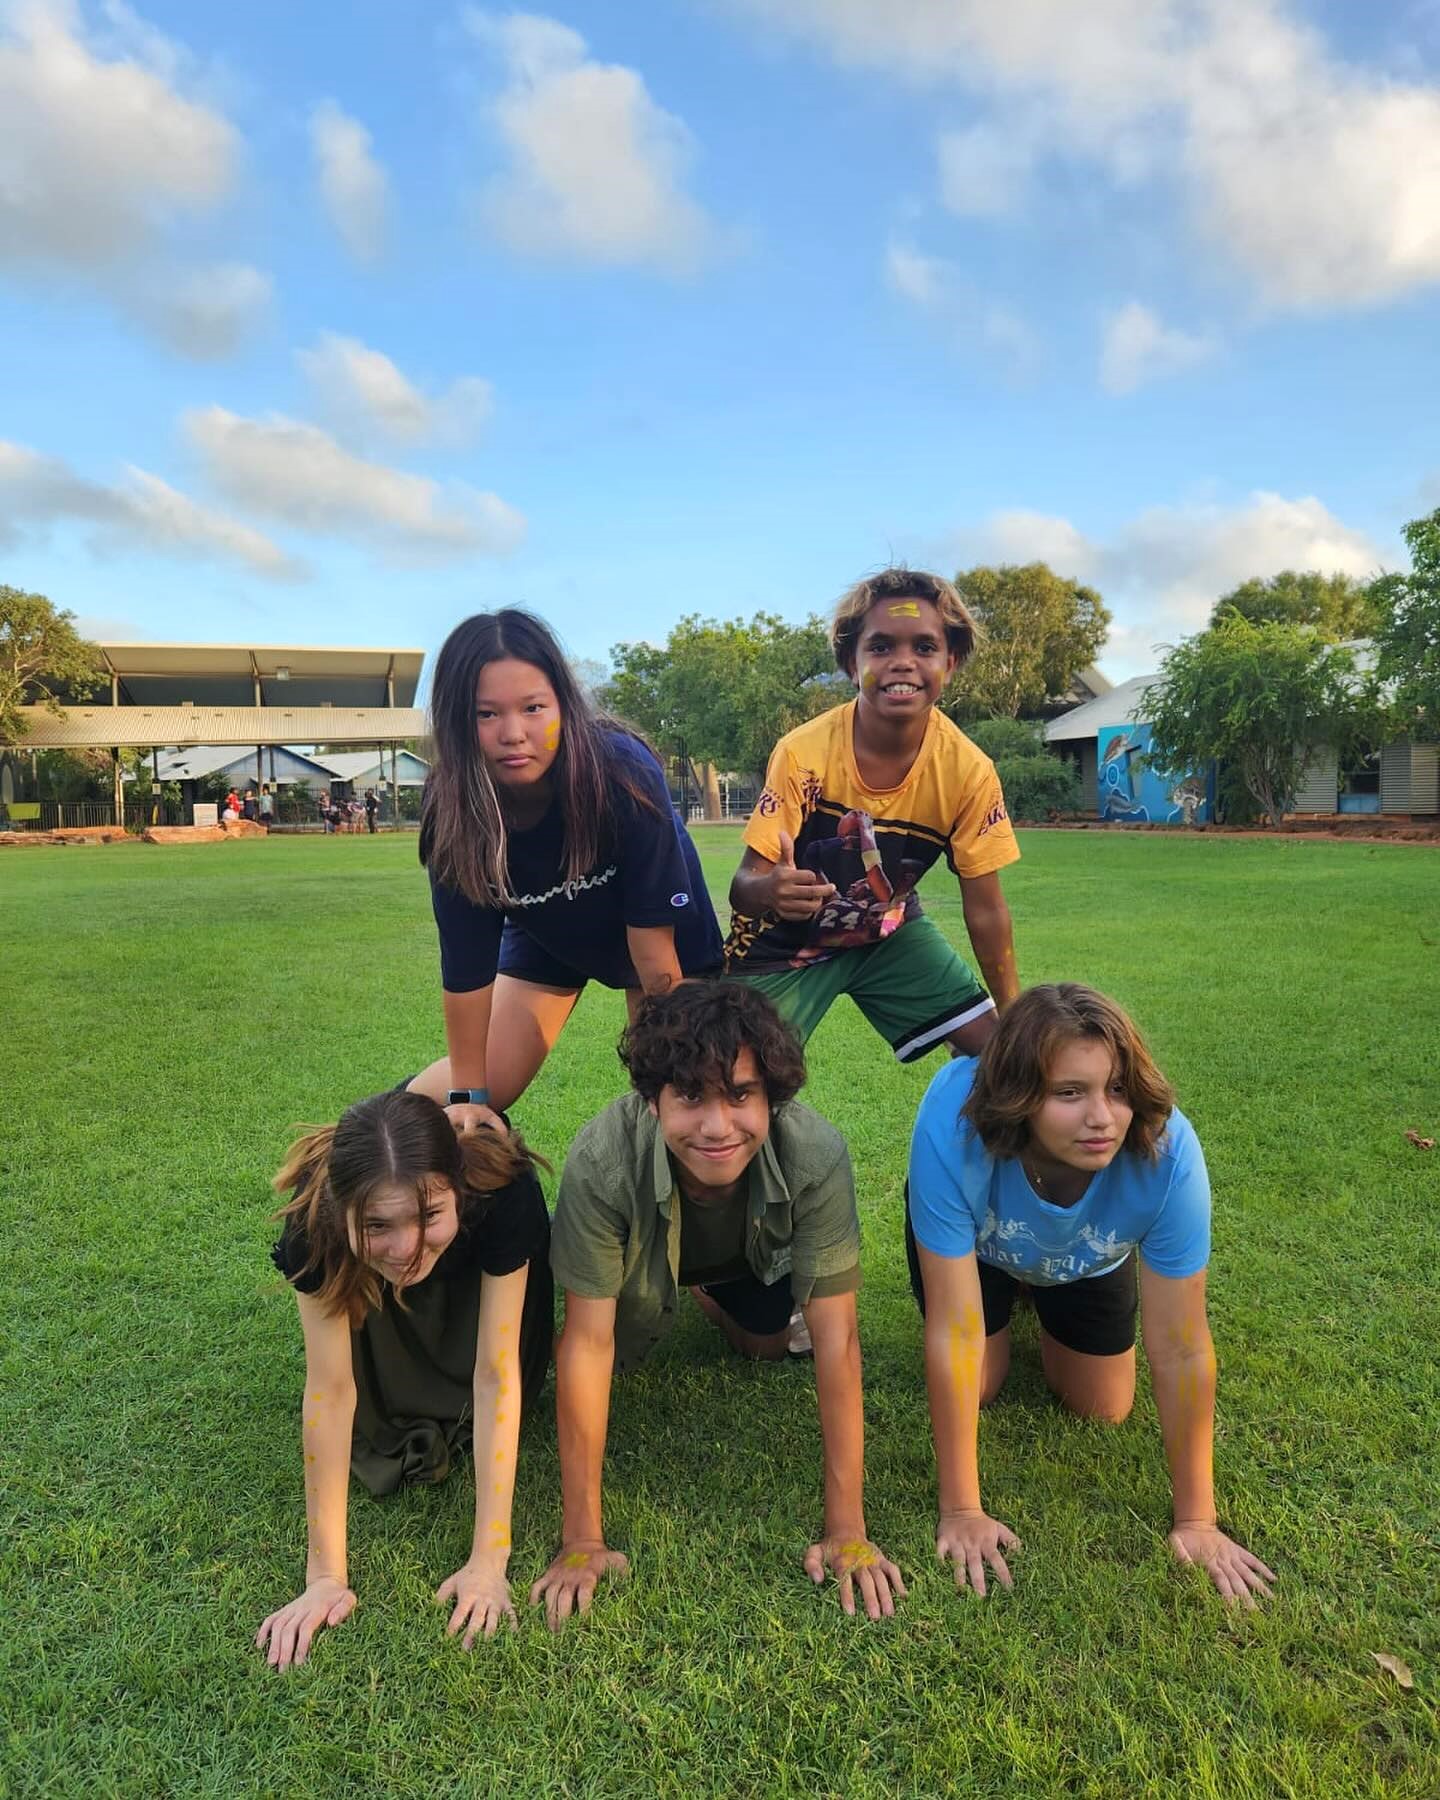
(985, 169)
(96, 154)
(144, 512)
(299, 474)
(1317, 177)
(596, 168)
(974, 323)
(101, 155)
(1162, 570)
(205, 313)
(362, 390)
(1136, 347)
(353, 185)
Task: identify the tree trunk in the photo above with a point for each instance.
(710, 786)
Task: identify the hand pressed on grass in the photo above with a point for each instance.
(286, 1634)
(1236, 1573)
(856, 1562)
(969, 1540)
(482, 1598)
(569, 1584)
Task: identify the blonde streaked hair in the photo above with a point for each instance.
(962, 631)
(1015, 1066)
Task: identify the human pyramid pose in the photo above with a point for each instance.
(1048, 1155)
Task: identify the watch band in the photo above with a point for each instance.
(468, 1097)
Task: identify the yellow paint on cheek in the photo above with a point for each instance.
(905, 609)
(552, 734)
(577, 1559)
(868, 680)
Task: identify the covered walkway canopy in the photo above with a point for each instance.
(175, 695)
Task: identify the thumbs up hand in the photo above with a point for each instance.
(796, 894)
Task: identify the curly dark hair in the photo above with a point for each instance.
(690, 1038)
(1014, 1066)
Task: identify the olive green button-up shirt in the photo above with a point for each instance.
(616, 1234)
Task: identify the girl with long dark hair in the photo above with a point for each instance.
(555, 858)
(420, 1265)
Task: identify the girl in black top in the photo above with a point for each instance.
(555, 857)
(421, 1270)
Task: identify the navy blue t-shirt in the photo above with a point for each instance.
(647, 873)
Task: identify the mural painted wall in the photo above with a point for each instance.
(1131, 789)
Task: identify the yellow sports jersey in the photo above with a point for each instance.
(873, 844)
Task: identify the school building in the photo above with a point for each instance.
(235, 710)
(1108, 739)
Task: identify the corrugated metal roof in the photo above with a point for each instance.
(127, 727)
(1121, 706)
(347, 765)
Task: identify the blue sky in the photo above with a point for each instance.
(330, 325)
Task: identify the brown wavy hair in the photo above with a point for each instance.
(463, 839)
(689, 1039)
(852, 609)
(1015, 1064)
(395, 1140)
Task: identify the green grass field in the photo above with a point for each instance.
(168, 1015)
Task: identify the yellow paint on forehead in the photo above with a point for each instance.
(904, 609)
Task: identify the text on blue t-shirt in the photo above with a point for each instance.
(964, 1199)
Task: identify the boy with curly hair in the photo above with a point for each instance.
(709, 1175)
(858, 804)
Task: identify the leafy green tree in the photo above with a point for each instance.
(1040, 630)
(1339, 605)
(41, 656)
(1258, 699)
(725, 689)
(1001, 739)
(1407, 631)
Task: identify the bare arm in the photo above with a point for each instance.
(954, 1362)
(584, 1364)
(480, 1588)
(1182, 1373)
(467, 1027)
(652, 950)
(327, 1417)
(845, 1547)
(992, 935)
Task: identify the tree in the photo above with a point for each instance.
(1040, 630)
(1339, 605)
(41, 656)
(1258, 698)
(1407, 630)
(725, 689)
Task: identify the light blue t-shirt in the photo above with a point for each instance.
(964, 1199)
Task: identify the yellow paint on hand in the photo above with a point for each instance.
(860, 1555)
(904, 609)
(309, 1458)
(577, 1559)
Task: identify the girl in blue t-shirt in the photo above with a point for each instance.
(555, 858)
(1048, 1162)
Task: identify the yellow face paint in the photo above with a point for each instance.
(552, 734)
(905, 609)
(868, 680)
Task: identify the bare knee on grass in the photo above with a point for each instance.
(1092, 1387)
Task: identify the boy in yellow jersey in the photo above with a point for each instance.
(857, 805)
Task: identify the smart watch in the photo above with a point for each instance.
(468, 1097)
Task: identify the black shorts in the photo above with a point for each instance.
(753, 1306)
(1095, 1315)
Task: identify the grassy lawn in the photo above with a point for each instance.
(169, 1015)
